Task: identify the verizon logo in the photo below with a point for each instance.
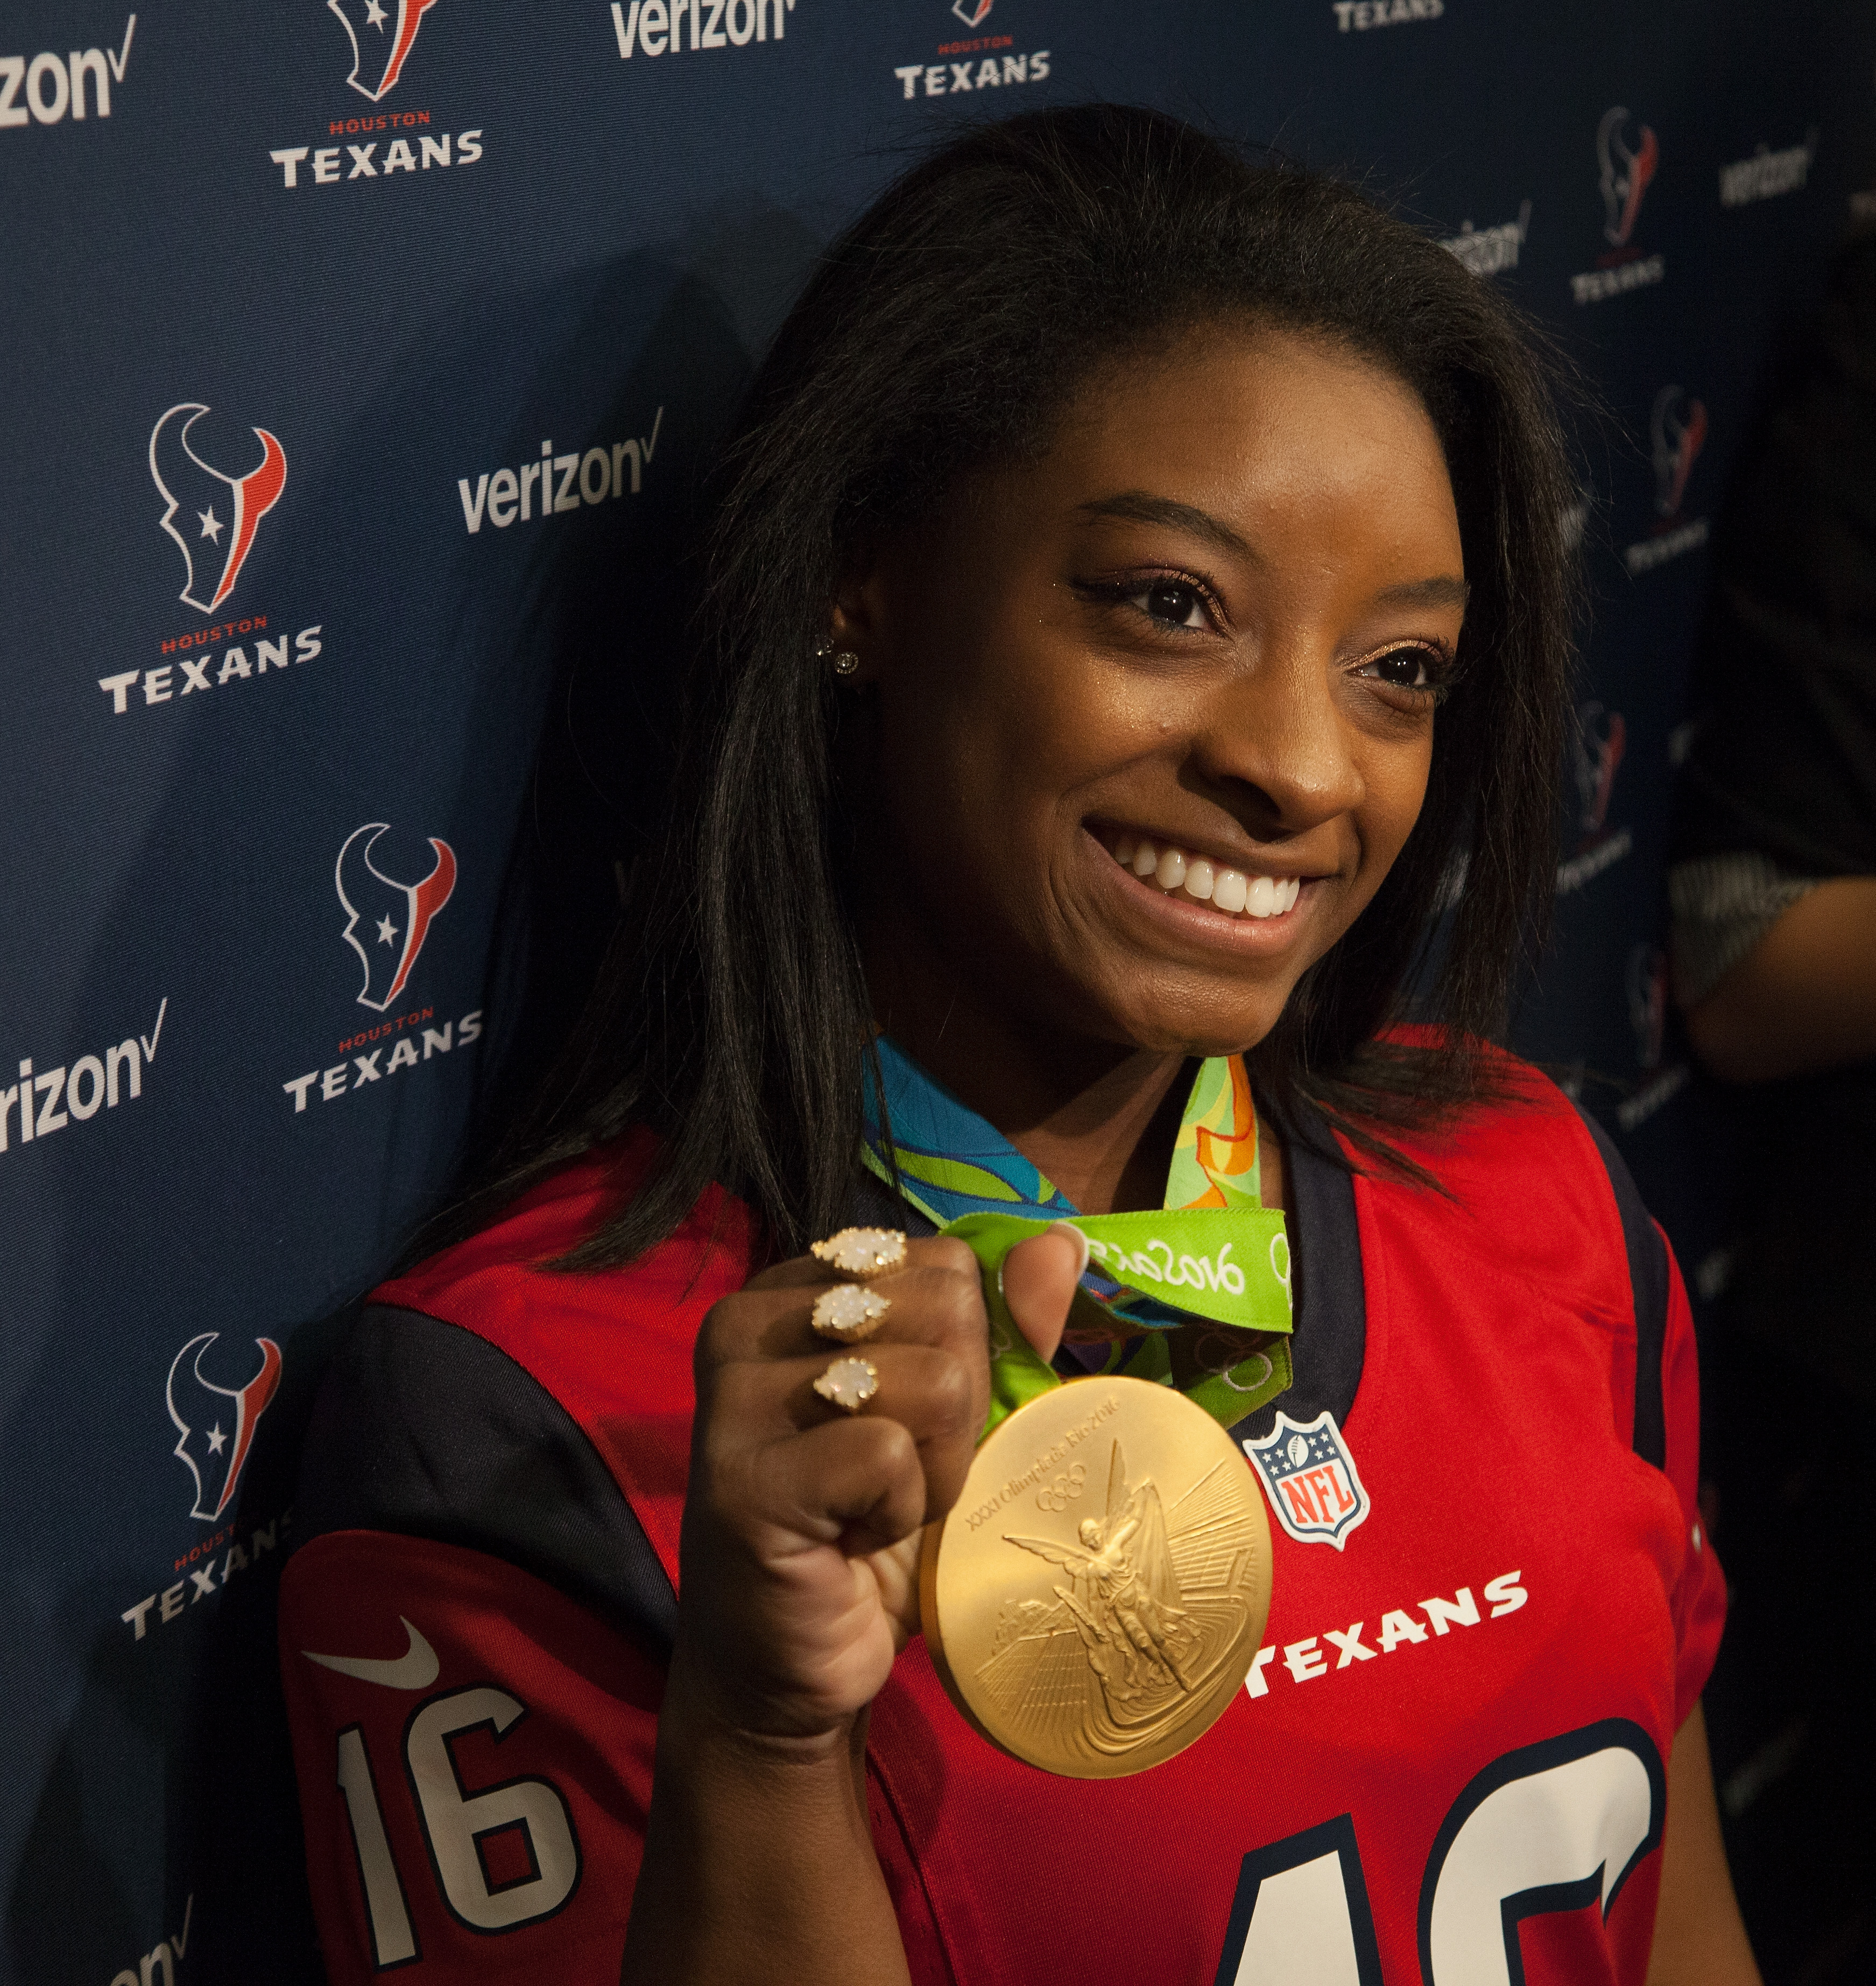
(556, 484)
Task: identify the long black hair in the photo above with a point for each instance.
(946, 331)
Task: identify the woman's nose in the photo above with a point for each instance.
(1280, 730)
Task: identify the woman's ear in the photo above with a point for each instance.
(858, 622)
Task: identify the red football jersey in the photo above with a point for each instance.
(1493, 1608)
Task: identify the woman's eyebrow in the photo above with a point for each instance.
(1442, 590)
(1140, 507)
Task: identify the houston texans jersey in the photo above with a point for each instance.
(1493, 1607)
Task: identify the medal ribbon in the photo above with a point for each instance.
(1195, 1295)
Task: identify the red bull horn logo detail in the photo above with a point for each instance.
(972, 13)
(211, 503)
(381, 38)
(1626, 170)
(1601, 738)
(1647, 1002)
(396, 916)
(1677, 432)
(216, 1424)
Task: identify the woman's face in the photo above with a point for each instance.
(1154, 713)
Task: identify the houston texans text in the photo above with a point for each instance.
(1635, 1111)
(206, 1568)
(949, 78)
(1596, 286)
(1649, 552)
(164, 684)
(1578, 869)
(344, 1077)
(1361, 15)
(1307, 1659)
(326, 167)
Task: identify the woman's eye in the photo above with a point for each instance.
(1173, 602)
(1403, 669)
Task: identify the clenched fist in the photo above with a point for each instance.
(799, 1577)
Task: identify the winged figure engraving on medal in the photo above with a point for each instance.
(1152, 1607)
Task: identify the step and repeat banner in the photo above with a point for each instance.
(360, 360)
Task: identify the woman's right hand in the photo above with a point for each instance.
(798, 1585)
(799, 1572)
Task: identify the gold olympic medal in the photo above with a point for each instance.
(1095, 1597)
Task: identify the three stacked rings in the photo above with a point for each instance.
(849, 1313)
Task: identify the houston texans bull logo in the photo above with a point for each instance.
(1601, 738)
(397, 916)
(972, 12)
(217, 1424)
(1626, 170)
(219, 513)
(1677, 432)
(1647, 1002)
(381, 39)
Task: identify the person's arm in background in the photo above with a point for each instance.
(1773, 878)
(1803, 999)
(1700, 1940)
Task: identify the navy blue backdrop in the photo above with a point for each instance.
(361, 358)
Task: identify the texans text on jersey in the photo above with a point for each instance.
(1307, 1659)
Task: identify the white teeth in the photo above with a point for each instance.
(1200, 880)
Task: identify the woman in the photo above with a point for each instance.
(1106, 525)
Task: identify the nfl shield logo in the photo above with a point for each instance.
(1311, 1479)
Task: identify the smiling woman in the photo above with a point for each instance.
(1086, 281)
(1137, 627)
(1178, 632)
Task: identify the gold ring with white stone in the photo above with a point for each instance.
(849, 1383)
(862, 1252)
(849, 1313)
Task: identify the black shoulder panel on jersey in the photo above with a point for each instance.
(423, 1428)
(1648, 1277)
(1331, 1315)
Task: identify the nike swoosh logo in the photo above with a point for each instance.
(416, 1668)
